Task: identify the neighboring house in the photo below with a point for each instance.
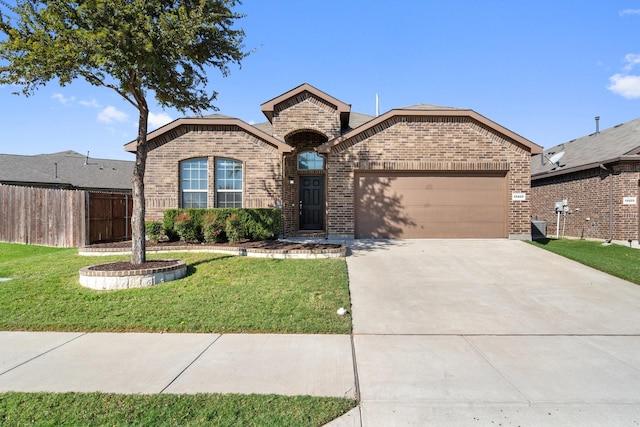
(599, 178)
(420, 171)
(66, 170)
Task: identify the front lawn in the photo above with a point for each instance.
(221, 293)
(617, 260)
(97, 409)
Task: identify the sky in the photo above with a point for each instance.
(543, 69)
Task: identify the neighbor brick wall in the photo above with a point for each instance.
(426, 144)
(589, 195)
(262, 171)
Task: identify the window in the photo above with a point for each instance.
(193, 183)
(228, 183)
(310, 160)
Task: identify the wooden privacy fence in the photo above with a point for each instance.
(63, 218)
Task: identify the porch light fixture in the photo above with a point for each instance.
(291, 180)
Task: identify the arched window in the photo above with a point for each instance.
(310, 160)
(228, 183)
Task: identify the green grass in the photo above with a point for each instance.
(617, 260)
(221, 294)
(96, 409)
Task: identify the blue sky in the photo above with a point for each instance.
(543, 69)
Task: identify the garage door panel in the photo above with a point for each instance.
(428, 205)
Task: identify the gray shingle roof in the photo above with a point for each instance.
(66, 169)
(609, 144)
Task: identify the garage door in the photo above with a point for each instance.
(429, 205)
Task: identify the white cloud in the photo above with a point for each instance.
(627, 86)
(160, 119)
(93, 103)
(632, 59)
(630, 12)
(111, 114)
(62, 99)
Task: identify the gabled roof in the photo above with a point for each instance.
(66, 169)
(213, 120)
(620, 142)
(341, 107)
(426, 110)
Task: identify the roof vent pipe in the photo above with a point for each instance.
(597, 125)
(86, 160)
(55, 170)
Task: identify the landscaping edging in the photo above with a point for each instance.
(125, 279)
(335, 252)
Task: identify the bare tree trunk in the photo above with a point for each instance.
(138, 243)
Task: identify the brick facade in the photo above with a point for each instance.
(305, 119)
(595, 202)
(427, 144)
(262, 182)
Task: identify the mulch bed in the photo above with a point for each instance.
(262, 244)
(127, 266)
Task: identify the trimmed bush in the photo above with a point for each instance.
(186, 227)
(222, 224)
(154, 230)
(168, 223)
(214, 227)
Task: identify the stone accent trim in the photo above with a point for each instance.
(141, 278)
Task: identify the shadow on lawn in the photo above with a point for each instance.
(192, 267)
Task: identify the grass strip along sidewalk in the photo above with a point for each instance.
(617, 260)
(221, 294)
(96, 409)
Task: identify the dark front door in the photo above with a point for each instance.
(311, 202)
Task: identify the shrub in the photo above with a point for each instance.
(186, 227)
(168, 223)
(213, 227)
(265, 224)
(154, 230)
(222, 224)
(236, 227)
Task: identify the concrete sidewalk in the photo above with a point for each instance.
(316, 365)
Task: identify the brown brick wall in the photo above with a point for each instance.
(305, 112)
(594, 198)
(427, 144)
(262, 172)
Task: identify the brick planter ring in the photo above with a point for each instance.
(125, 279)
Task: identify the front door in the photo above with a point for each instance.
(311, 202)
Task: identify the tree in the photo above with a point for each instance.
(133, 47)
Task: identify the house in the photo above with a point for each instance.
(66, 170)
(595, 180)
(419, 171)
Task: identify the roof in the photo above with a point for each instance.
(620, 142)
(212, 120)
(66, 169)
(426, 110)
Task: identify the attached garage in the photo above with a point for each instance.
(420, 204)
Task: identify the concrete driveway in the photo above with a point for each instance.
(491, 332)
